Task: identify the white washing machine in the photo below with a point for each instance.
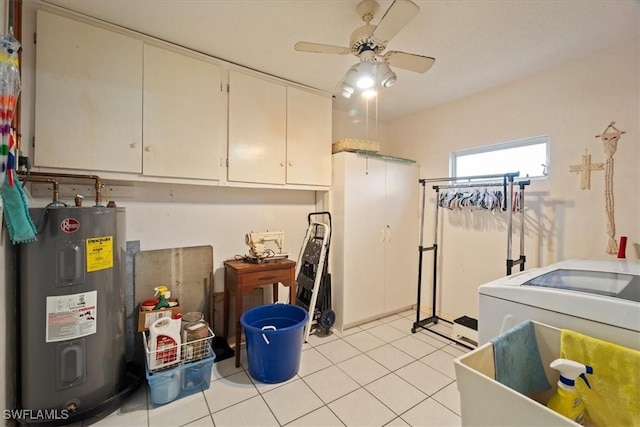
(597, 298)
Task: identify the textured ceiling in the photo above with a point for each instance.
(477, 44)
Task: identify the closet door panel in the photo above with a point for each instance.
(363, 239)
(401, 221)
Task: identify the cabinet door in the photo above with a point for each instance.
(183, 115)
(88, 112)
(363, 286)
(401, 223)
(308, 138)
(257, 129)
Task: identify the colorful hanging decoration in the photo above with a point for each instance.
(9, 92)
(585, 169)
(610, 138)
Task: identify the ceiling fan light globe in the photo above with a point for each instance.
(387, 76)
(365, 82)
(347, 91)
(389, 79)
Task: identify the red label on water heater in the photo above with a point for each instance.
(69, 225)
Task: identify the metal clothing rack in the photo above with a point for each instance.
(507, 183)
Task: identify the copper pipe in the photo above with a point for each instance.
(99, 183)
(56, 187)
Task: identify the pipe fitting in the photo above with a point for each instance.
(99, 185)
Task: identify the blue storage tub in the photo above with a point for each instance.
(173, 384)
(274, 335)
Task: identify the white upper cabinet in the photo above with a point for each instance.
(88, 97)
(308, 138)
(183, 115)
(257, 129)
(278, 134)
(113, 100)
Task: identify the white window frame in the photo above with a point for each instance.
(542, 139)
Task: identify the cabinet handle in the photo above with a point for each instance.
(148, 149)
(281, 164)
(133, 145)
(382, 235)
(388, 234)
(290, 163)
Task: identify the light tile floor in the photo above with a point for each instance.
(377, 374)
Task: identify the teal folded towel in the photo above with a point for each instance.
(16, 213)
(517, 360)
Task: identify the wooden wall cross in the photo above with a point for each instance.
(585, 169)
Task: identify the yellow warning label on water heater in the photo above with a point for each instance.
(99, 253)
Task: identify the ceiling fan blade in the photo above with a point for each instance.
(395, 18)
(321, 48)
(409, 61)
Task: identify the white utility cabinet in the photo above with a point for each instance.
(183, 118)
(88, 97)
(374, 243)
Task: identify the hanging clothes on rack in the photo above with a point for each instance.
(469, 195)
(492, 200)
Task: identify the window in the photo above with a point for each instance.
(528, 156)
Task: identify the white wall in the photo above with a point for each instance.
(167, 216)
(571, 103)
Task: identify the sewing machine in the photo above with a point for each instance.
(258, 251)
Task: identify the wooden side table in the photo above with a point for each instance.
(241, 277)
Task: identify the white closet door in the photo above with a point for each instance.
(402, 216)
(363, 286)
(257, 129)
(183, 115)
(88, 112)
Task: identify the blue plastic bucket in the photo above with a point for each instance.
(274, 335)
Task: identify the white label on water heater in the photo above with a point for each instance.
(71, 316)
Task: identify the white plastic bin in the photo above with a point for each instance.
(486, 402)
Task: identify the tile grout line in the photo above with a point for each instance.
(325, 405)
(270, 410)
(428, 396)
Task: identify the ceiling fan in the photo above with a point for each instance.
(368, 43)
